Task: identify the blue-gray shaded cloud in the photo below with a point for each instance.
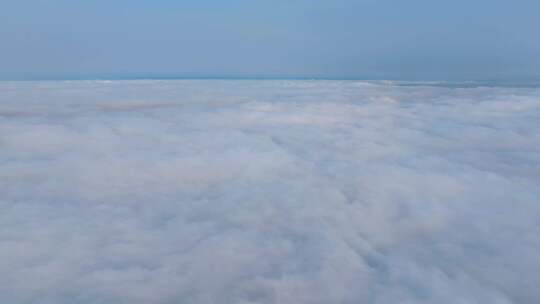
(268, 192)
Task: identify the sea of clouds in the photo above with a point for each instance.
(200, 191)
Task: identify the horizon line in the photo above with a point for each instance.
(502, 80)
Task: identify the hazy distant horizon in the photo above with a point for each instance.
(150, 76)
(517, 82)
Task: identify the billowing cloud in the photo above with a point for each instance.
(268, 192)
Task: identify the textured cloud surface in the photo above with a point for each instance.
(268, 192)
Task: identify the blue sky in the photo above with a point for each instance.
(417, 39)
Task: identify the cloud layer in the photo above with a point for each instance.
(268, 192)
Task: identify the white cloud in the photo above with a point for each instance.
(268, 192)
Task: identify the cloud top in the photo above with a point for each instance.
(268, 192)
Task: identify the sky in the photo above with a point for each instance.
(367, 39)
